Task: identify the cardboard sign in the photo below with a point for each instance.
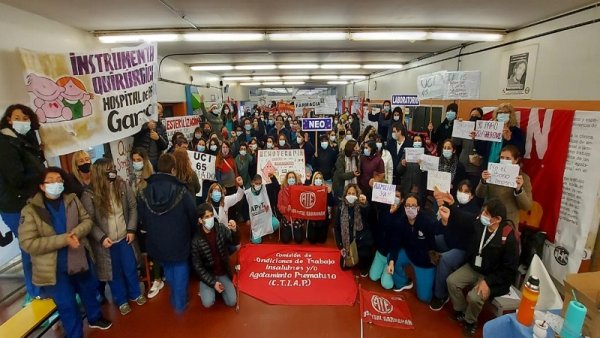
(503, 174)
(413, 155)
(384, 193)
(317, 124)
(204, 166)
(463, 129)
(279, 163)
(405, 100)
(429, 162)
(308, 202)
(489, 131)
(440, 179)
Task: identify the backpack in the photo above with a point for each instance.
(506, 229)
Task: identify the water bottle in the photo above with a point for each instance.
(531, 292)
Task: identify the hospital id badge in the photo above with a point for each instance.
(478, 261)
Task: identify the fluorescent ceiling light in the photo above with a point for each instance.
(223, 37)
(250, 84)
(324, 77)
(237, 78)
(352, 77)
(299, 66)
(339, 66)
(138, 38)
(337, 82)
(272, 83)
(213, 67)
(393, 35)
(383, 66)
(212, 79)
(295, 77)
(265, 78)
(255, 67)
(294, 83)
(294, 36)
(466, 36)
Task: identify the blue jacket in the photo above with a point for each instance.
(417, 240)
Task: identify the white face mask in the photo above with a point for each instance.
(137, 166)
(351, 199)
(281, 143)
(318, 182)
(213, 148)
(396, 118)
(269, 145)
(53, 190)
(243, 152)
(253, 146)
(332, 138)
(506, 161)
(299, 140)
(379, 145)
(21, 127)
(502, 117)
(209, 223)
(348, 137)
(463, 197)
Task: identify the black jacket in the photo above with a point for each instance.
(202, 259)
(397, 156)
(167, 212)
(154, 148)
(417, 240)
(442, 133)
(20, 167)
(325, 162)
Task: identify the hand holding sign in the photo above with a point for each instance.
(413, 155)
(504, 174)
(439, 179)
(429, 162)
(384, 193)
(463, 129)
(489, 131)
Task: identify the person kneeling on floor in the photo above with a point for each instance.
(492, 262)
(210, 256)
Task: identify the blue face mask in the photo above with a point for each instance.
(367, 152)
(450, 115)
(21, 127)
(137, 166)
(447, 153)
(502, 117)
(201, 148)
(209, 223)
(291, 181)
(486, 221)
(324, 145)
(417, 145)
(248, 127)
(53, 190)
(216, 196)
(318, 182)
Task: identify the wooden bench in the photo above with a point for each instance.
(28, 318)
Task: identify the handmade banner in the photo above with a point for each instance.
(384, 309)
(405, 100)
(204, 166)
(182, 124)
(503, 174)
(279, 163)
(295, 275)
(121, 155)
(463, 129)
(430, 86)
(322, 106)
(462, 85)
(489, 131)
(308, 202)
(86, 99)
(9, 244)
(384, 193)
(439, 179)
(284, 107)
(429, 162)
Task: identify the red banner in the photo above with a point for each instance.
(295, 275)
(385, 310)
(308, 202)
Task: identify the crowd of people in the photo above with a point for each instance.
(81, 230)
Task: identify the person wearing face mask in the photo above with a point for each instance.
(469, 157)
(260, 197)
(412, 179)
(167, 210)
(351, 225)
(492, 261)
(291, 229)
(112, 206)
(243, 161)
(213, 146)
(279, 128)
(206, 131)
(511, 135)
(282, 142)
(410, 246)
(253, 148)
(444, 130)
(210, 257)
(201, 146)
(333, 140)
(449, 163)
(271, 143)
(372, 168)
(176, 135)
(195, 139)
(383, 118)
(316, 231)
(514, 199)
(22, 163)
(223, 204)
(388, 162)
(225, 169)
(324, 160)
(347, 168)
(213, 116)
(152, 137)
(354, 125)
(81, 173)
(396, 147)
(345, 136)
(226, 115)
(307, 146)
(185, 172)
(54, 232)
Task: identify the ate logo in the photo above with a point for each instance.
(561, 255)
(308, 199)
(381, 305)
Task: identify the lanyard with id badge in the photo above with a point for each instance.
(478, 258)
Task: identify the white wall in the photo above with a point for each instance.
(568, 64)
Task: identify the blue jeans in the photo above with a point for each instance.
(12, 221)
(424, 277)
(63, 293)
(177, 275)
(379, 271)
(275, 224)
(449, 262)
(207, 293)
(125, 283)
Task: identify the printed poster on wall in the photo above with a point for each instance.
(279, 163)
(83, 99)
(517, 72)
(121, 150)
(182, 124)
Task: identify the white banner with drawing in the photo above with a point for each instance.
(279, 163)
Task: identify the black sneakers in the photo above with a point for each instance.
(102, 324)
(459, 316)
(437, 303)
(409, 285)
(469, 330)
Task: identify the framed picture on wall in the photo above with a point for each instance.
(517, 72)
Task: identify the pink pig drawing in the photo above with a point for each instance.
(48, 100)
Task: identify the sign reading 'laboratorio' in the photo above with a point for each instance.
(405, 100)
(83, 99)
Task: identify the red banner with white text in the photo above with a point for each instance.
(385, 309)
(308, 202)
(295, 275)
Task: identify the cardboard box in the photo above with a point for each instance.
(587, 290)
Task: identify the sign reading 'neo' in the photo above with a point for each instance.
(317, 124)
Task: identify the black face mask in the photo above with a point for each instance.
(111, 175)
(84, 168)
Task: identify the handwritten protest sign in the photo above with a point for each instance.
(280, 162)
(384, 193)
(432, 85)
(182, 124)
(413, 155)
(489, 131)
(462, 85)
(429, 162)
(463, 129)
(503, 174)
(440, 179)
(120, 150)
(204, 166)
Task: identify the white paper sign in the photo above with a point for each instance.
(503, 174)
(121, 150)
(462, 85)
(384, 193)
(489, 131)
(463, 129)
(204, 166)
(440, 179)
(432, 85)
(429, 162)
(413, 155)
(279, 163)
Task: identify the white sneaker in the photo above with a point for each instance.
(157, 285)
